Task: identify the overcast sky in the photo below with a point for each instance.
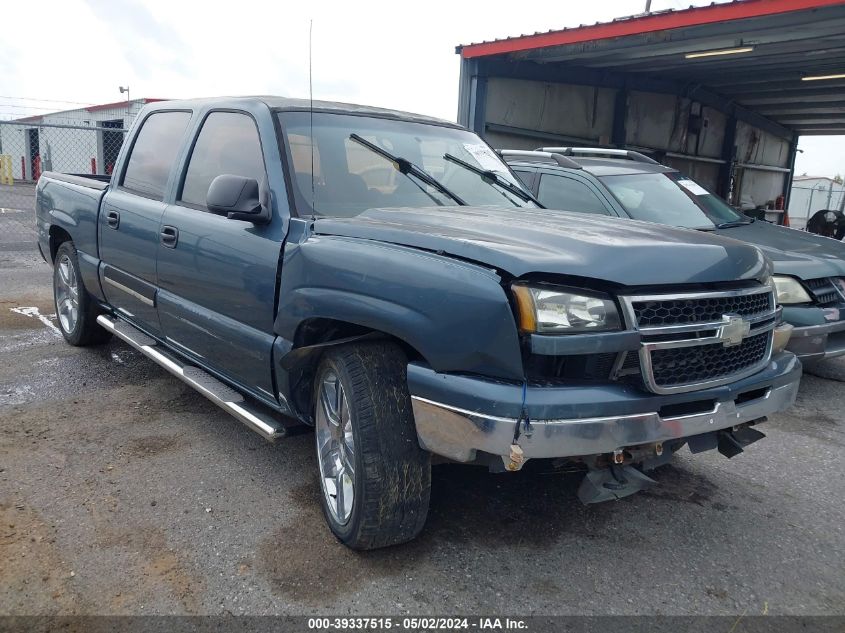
(386, 53)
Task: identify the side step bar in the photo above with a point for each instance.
(220, 394)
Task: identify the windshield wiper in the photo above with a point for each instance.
(406, 167)
(491, 177)
(730, 225)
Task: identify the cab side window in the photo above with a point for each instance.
(154, 153)
(568, 194)
(228, 143)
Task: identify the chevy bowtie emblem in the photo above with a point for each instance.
(734, 329)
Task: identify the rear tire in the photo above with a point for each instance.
(76, 311)
(365, 424)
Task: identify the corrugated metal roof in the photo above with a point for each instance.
(787, 61)
(640, 23)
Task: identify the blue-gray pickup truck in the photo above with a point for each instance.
(385, 278)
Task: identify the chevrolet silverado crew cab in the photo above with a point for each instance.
(385, 278)
(809, 270)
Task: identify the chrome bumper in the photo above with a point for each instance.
(816, 342)
(458, 433)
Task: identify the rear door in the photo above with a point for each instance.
(131, 214)
(218, 277)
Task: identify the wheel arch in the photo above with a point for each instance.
(314, 338)
(58, 236)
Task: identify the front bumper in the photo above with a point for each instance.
(457, 416)
(817, 342)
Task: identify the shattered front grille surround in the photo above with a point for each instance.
(826, 291)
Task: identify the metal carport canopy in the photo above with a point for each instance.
(766, 86)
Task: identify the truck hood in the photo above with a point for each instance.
(793, 252)
(524, 241)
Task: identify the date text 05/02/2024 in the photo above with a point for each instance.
(417, 623)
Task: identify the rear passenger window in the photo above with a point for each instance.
(154, 153)
(568, 194)
(227, 144)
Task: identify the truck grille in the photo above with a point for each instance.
(694, 341)
(687, 365)
(824, 291)
(699, 310)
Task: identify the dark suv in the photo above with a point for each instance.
(809, 269)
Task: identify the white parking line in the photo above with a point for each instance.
(33, 312)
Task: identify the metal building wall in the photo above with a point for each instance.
(704, 141)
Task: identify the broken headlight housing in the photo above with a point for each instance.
(552, 310)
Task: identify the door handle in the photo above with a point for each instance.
(113, 219)
(169, 236)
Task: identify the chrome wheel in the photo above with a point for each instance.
(67, 294)
(335, 447)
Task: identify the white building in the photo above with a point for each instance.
(810, 194)
(70, 141)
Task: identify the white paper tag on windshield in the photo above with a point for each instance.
(693, 187)
(485, 156)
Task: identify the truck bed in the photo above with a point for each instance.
(94, 181)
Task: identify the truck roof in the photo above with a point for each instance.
(286, 103)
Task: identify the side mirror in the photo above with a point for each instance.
(239, 198)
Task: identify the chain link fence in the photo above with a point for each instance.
(807, 198)
(29, 149)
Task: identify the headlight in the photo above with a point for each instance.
(790, 291)
(552, 310)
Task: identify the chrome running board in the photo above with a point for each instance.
(219, 393)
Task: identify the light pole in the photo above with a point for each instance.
(126, 90)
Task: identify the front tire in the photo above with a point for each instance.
(76, 312)
(375, 479)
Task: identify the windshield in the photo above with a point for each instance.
(670, 199)
(349, 177)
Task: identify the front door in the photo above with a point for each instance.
(131, 215)
(217, 276)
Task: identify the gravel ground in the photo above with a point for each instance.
(124, 492)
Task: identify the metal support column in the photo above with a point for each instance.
(478, 105)
(787, 181)
(618, 136)
(726, 171)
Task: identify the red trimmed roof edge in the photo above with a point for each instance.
(118, 104)
(694, 16)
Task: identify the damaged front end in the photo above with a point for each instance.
(622, 473)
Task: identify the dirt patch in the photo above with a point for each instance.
(152, 445)
(679, 485)
(33, 577)
(157, 563)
